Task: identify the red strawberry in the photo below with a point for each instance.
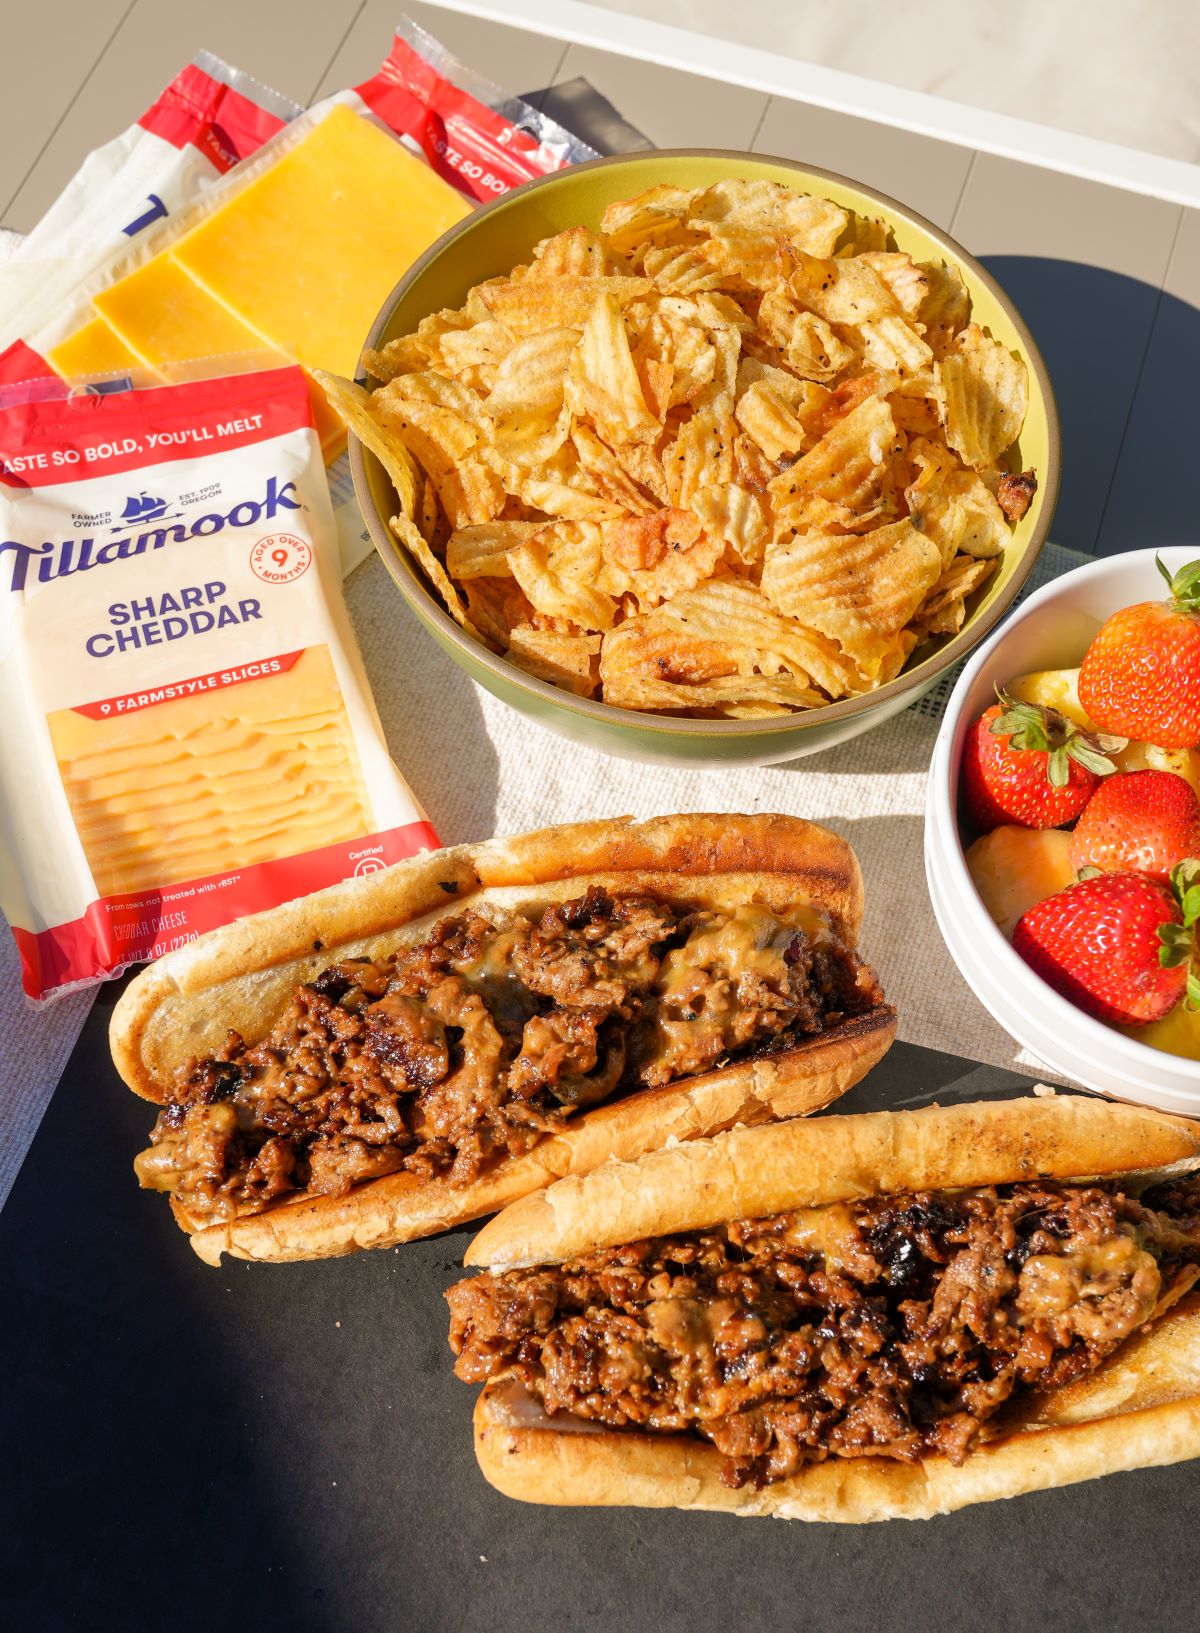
(1117, 945)
(1137, 822)
(1141, 675)
(1026, 764)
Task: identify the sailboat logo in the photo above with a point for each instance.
(142, 508)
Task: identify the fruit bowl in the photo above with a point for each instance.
(1051, 630)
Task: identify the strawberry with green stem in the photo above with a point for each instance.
(1141, 674)
(1030, 765)
(1118, 945)
(1137, 822)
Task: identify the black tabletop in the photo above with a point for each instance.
(286, 1447)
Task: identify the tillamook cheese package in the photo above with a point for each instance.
(187, 732)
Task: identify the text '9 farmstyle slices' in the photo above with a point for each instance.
(729, 456)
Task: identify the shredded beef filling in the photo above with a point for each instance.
(896, 1327)
(442, 1057)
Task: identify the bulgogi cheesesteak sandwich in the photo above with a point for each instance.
(848, 1318)
(412, 1049)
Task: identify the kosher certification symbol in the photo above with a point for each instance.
(280, 558)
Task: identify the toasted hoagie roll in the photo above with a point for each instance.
(413, 1049)
(846, 1319)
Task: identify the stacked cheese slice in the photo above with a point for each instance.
(295, 265)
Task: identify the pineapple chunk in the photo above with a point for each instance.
(1184, 762)
(1015, 868)
(1053, 689)
(1176, 1034)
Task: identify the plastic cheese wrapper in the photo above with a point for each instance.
(188, 733)
(295, 246)
(208, 119)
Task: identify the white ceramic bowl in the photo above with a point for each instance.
(1050, 631)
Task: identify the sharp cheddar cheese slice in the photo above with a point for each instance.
(308, 252)
(94, 349)
(164, 317)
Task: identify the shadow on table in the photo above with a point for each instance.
(432, 712)
(1124, 358)
(134, 1473)
(581, 109)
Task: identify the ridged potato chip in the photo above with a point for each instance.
(652, 557)
(847, 292)
(410, 536)
(569, 661)
(644, 665)
(682, 269)
(860, 591)
(528, 306)
(359, 413)
(810, 224)
(602, 382)
(445, 444)
(736, 516)
(486, 344)
(985, 393)
(732, 454)
(646, 219)
(954, 506)
(846, 469)
(482, 552)
(906, 280)
(497, 606)
(805, 342)
(893, 344)
(528, 420)
(558, 567)
(702, 452)
(764, 415)
(763, 640)
(944, 311)
(943, 610)
(609, 477)
(559, 487)
(864, 233)
(576, 253)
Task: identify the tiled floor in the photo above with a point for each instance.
(1108, 280)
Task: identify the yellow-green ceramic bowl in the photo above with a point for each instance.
(498, 237)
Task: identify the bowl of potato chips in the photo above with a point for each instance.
(701, 457)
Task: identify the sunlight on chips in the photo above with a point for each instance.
(602, 383)
(569, 661)
(731, 454)
(946, 306)
(557, 569)
(986, 391)
(736, 516)
(761, 638)
(578, 252)
(845, 469)
(944, 608)
(482, 552)
(860, 591)
(954, 506)
(357, 410)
